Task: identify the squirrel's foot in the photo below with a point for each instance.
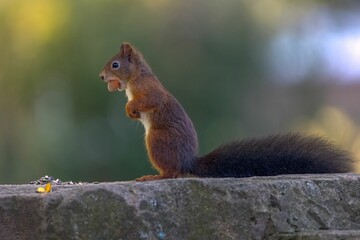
(153, 178)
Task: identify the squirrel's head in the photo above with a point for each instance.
(121, 68)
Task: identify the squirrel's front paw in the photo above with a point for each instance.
(131, 112)
(134, 115)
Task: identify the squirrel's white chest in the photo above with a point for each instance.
(129, 94)
(144, 116)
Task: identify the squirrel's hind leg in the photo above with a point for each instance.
(156, 177)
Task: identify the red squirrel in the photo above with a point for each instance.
(171, 139)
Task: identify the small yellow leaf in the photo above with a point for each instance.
(45, 189)
(48, 187)
(40, 190)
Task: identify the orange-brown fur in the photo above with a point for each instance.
(168, 120)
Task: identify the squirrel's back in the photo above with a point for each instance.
(274, 155)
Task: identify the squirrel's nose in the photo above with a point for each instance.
(102, 76)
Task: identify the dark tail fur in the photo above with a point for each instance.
(274, 155)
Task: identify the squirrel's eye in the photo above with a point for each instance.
(115, 64)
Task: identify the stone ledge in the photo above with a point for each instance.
(321, 234)
(281, 207)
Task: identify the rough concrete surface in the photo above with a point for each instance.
(282, 207)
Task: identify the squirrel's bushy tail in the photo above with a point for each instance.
(274, 155)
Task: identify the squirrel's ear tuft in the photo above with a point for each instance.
(125, 50)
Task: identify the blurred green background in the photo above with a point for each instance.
(239, 68)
